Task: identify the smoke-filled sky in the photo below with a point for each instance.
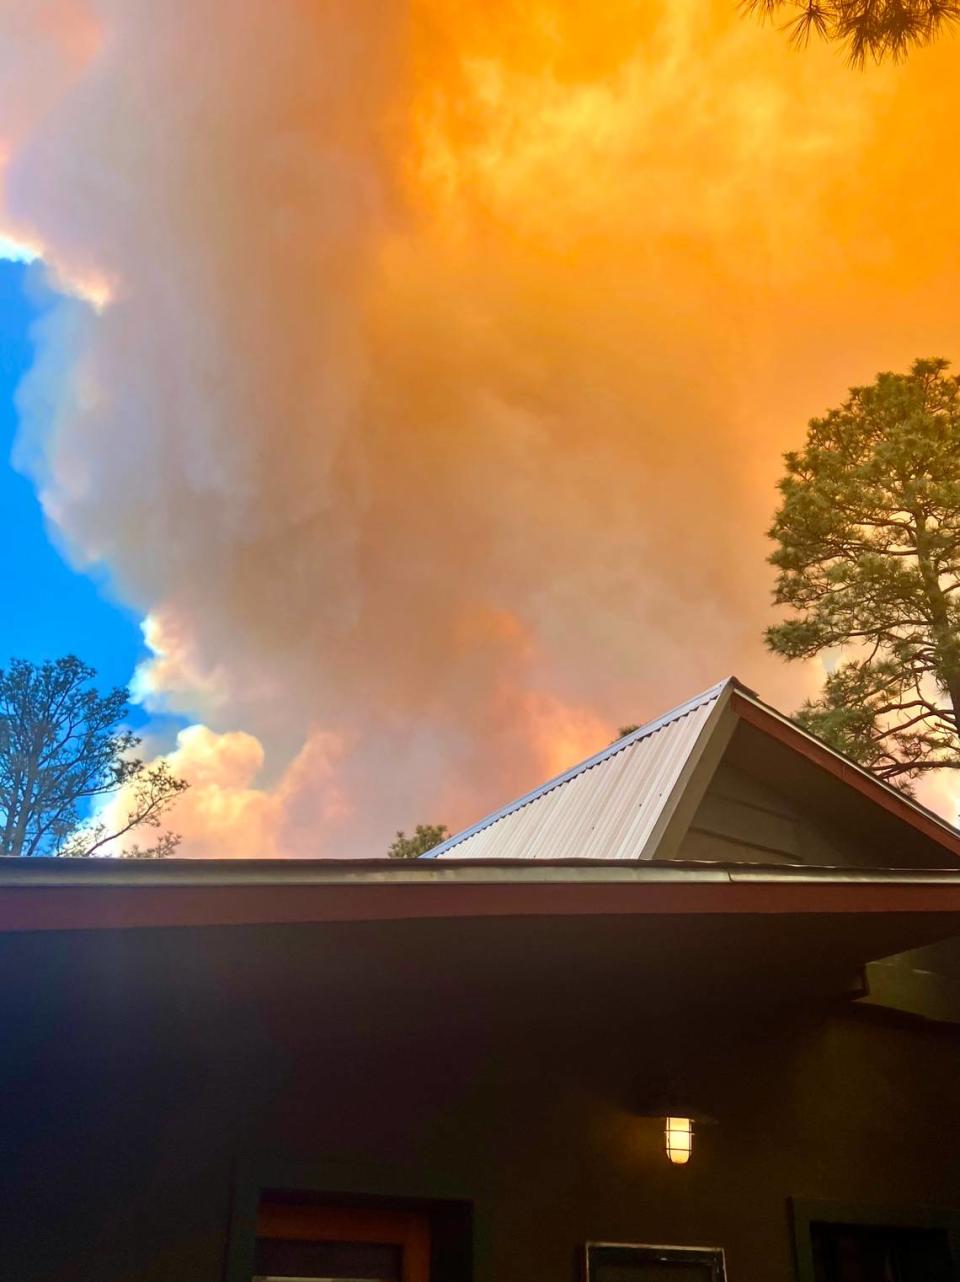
(420, 371)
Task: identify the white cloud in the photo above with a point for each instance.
(16, 251)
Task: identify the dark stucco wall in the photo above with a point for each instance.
(140, 1068)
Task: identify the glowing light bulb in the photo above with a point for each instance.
(679, 1137)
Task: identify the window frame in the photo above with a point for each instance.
(653, 1252)
(807, 1211)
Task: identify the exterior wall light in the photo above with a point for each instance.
(678, 1133)
(671, 1104)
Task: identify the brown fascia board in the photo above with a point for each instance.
(769, 721)
(108, 897)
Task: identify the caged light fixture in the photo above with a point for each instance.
(678, 1134)
(670, 1104)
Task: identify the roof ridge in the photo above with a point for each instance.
(611, 750)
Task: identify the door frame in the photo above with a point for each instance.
(325, 1222)
(450, 1216)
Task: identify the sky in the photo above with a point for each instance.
(49, 608)
(399, 395)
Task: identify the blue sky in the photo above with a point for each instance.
(49, 609)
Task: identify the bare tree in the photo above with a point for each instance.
(63, 749)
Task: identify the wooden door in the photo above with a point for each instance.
(341, 1243)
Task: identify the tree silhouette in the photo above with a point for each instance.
(868, 555)
(63, 749)
(425, 837)
(875, 29)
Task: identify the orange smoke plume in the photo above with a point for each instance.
(434, 418)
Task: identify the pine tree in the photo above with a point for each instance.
(868, 555)
(425, 837)
(876, 29)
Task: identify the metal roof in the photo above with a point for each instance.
(607, 807)
(617, 803)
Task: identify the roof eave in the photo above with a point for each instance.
(178, 897)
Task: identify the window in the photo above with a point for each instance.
(879, 1253)
(619, 1262)
(874, 1244)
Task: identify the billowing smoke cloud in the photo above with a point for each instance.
(441, 360)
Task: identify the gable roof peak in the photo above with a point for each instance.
(608, 806)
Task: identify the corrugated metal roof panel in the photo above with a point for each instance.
(604, 808)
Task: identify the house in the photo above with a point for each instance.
(463, 1067)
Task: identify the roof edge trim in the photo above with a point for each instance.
(678, 806)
